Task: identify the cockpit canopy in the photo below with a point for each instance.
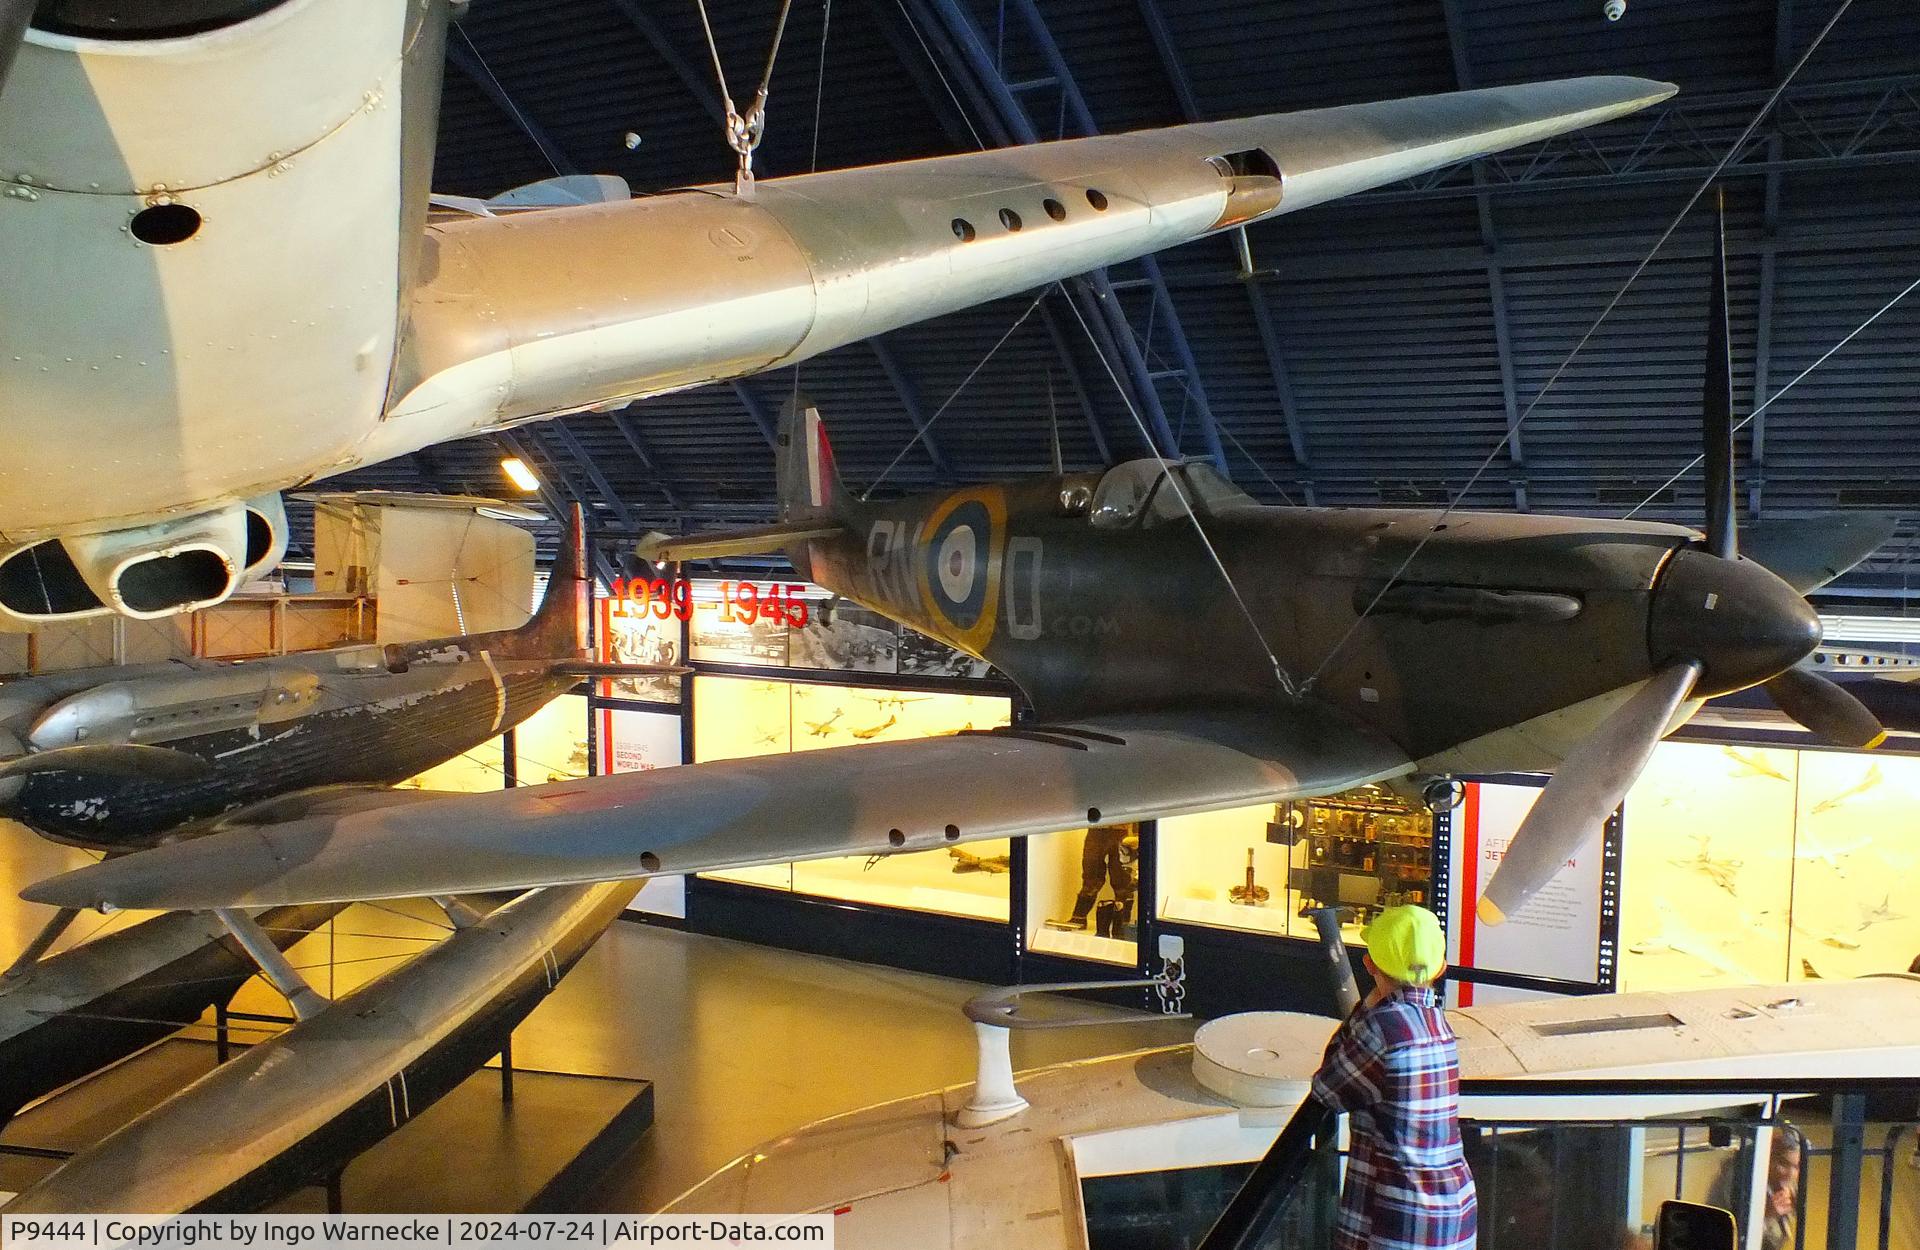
(1139, 493)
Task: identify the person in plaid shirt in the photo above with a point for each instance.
(1394, 1069)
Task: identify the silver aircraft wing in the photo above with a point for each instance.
(866, 799)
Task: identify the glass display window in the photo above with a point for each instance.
(735, 717)
(1855, 851)
(1364, 850)
(1228, 869)
(1257, 868)
(551, 745)
(1707, 867)
(1082, 893)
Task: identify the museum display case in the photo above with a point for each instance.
(739, 716)
(1256, 868)
(483, 768)
(1751, 863)
(1083, 894)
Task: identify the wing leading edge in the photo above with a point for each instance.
(856, 800)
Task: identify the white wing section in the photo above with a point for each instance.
(856, 800)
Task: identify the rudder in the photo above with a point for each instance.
(809, 482)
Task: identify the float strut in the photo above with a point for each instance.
(462, 914)
(303, 998)
(55, 926)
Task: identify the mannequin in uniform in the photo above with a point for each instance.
(1106, 856)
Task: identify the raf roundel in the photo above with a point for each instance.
(960, 570)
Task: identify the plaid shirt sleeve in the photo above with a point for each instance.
(1352, 1073)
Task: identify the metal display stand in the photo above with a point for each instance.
(539, 1140)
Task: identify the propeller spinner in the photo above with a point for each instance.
(1718, 624)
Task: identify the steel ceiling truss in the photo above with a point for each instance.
(1167, 49)
(1496, 282)
(909, 394)
(1010, 110)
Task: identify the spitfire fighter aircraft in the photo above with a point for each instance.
(218, 213)
(1182, 647)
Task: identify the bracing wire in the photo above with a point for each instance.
(507, 98)
(920, 432)
(743, 131)
(941, 74)
(1473, 480)
(1744, 422)
(820, 85)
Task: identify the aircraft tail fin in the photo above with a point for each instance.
(809, 481)
(814, 503)
(558, 628)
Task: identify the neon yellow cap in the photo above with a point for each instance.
(1406, 944)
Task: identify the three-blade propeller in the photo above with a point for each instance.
(1594, 778)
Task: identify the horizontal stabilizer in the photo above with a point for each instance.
(121, 759)
(1808, 552)
(751, 540)
(865, 799)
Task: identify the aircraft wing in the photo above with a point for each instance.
(865, 799)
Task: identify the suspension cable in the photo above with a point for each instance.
(1453, 504)
(745, 132)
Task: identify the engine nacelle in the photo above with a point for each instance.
(147, 571)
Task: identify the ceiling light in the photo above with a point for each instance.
(519, 474)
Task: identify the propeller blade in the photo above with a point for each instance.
(1716, 407)
(1585, 789)
(1826, 709)
(1895, 703)
(130, 760)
